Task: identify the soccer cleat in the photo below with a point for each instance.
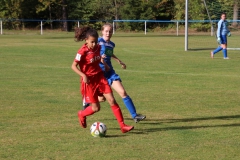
(138, 118)
(126, 128)
(212, 55)
(82, 120)
(85, 105)
(225, 58)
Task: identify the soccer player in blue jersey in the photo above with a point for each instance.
(114, 80)
(222, 33)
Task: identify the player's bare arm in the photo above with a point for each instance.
(123, 65)
(79, 72)
(107, 68)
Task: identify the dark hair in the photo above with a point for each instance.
(84, 32)
(223, 13)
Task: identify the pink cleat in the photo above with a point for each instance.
(126, 128)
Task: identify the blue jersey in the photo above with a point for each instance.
(222, 28)
(107, 49)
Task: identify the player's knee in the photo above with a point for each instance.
(123, 94)
(111, 101)
(96, 108)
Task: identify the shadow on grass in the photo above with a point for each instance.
(188, 127)
(174, 120)
(182, 127)
(201, 49)
(115, 136)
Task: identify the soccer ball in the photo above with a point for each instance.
(98, 129)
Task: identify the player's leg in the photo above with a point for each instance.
(216, 51)
(105, 88)
(118, 87)
(87, 91)
(85, 104)
(225, 52)
(101, 98)
(83, 90)
(224, 46)
(219, 48)
(82, 114)
(118, 113)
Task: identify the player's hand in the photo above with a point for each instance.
(85, 79)
(104, 56)
(219, 40)
(123, 65)
(229, 34)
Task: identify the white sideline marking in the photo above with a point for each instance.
(233, 48)
(134, 71)
(175, 73)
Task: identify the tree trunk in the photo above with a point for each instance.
(50, 15)
(64, 15)
(115, 15)
(235, 13)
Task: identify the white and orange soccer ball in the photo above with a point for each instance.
(98, 129)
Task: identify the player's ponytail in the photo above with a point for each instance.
(84, 32)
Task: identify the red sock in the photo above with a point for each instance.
(118, 114)
(88, 111)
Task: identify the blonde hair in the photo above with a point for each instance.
(107, 25)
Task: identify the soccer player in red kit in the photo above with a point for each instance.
(93, 82)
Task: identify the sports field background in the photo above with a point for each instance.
(191, 101)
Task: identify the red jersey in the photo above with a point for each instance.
(89, 59)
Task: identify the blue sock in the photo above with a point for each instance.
(224, 53)
(130, 106)
(217, 50)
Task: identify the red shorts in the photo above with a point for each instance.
(98, 85)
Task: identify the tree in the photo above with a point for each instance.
(179, 9)
(50, 10)
(12, 10)
(64, 15)
(235, 12)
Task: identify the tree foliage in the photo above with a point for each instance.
(108, 10)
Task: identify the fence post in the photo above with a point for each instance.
(145, 27)
(41, 28)
(78, 24)
(113, 27)
(177, 28)
(186, 25)
(1, 27)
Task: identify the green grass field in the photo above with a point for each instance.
(191, 101)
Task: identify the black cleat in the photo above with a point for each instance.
(138, 118)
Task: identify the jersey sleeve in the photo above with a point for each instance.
(227, 27)
(101, 43)
(102, 50)
(79, 55)
(219, 28)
